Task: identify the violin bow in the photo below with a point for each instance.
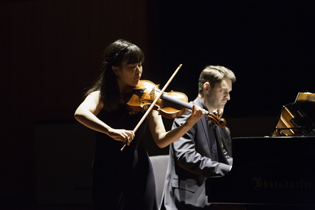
(154, 102)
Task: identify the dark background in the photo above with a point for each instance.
(51, 52)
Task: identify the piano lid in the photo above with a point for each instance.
(305, 97)
(297, 118)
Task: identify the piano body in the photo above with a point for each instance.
(276, 171)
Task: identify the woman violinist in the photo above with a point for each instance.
(123, 179)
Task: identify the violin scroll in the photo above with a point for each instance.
(221, 122)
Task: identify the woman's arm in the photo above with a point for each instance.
(163, 138)
(87, 113)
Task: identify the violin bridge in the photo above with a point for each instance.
(152, 93)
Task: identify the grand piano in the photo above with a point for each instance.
(274, 172)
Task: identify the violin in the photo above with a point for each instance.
(145, 98)
(170, 104)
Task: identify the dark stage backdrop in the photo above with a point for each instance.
(268, 44)
(51, 52)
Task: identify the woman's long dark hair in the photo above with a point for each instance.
(115, 54)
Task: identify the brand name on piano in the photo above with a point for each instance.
(281, 184)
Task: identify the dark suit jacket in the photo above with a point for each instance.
(190, 164)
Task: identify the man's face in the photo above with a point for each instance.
(218, 95)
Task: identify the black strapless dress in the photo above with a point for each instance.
(122, 179)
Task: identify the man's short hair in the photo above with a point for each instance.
(213, 75)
